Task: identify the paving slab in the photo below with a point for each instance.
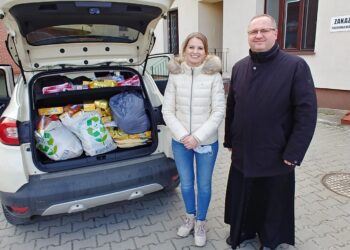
(322, 216)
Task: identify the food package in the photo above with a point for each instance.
(50, 111)
(100, 83)
(56, 141)
(129, 143)
(101, 103)
(124, 140)
(132, 81)
(67, 86)
(72, 109)
(90, 130)
(89, 106)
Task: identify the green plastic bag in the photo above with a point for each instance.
(56, 141)
(91, 131)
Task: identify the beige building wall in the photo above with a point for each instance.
(188, 9)
(330, 63)
(236, 16)
(211, 23)
(188, 22)
(160, 32)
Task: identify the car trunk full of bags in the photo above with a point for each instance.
(90, 117)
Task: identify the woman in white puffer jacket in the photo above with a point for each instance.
(193, 108)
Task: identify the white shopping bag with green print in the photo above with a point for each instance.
(91, 131)
(57, 142)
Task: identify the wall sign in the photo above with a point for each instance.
(340, 23)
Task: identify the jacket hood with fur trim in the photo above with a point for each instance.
(211, 65)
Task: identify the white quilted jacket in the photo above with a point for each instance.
(194, 100)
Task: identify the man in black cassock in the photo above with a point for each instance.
(270, 120)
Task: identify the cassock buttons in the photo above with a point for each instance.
(254, 68)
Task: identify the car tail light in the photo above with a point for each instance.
(8, 131)
(18, 210)
(175, 178)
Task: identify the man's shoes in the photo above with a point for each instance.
(228, 241)
(264, 248)
(247, 237)
(200, 234)
(186, 228)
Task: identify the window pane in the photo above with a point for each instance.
(292, 10)
(82, 33)
(173, 32)
(272, 8)
(157, 67)
(309, 29)
(3, 91)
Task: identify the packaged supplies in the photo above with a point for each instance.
(72, 109)
(80, 87)
(125, 140)
(50, 111)
(129, 143)
(106, 119)
(132, 81)
(67, 86)
(118, 77)
(102, 104)
(119, 134)
(56, 141)
(100, 83)
(89, 106)
(129, 112)
(144, 135)
(90, 130)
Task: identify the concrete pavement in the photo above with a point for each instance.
(150, 223)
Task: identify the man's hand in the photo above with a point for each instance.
(190, 142)
(289, 164)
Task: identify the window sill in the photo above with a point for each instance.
(300, 52)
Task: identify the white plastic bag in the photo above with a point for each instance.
(56, 141)
(91, 131)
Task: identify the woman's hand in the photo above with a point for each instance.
(190, 142)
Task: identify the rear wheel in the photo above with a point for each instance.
(172, 186)
(15, 219)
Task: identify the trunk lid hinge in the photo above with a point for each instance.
(19, 60)
(151, 44)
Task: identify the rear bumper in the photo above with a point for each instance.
(83, 188)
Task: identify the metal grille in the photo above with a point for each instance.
(222, 54)
(338, 183)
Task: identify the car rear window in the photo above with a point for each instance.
(82, 33)
(54, 22)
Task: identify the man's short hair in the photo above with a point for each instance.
(273, 21)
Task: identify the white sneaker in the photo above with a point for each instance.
(200, 237)
(186, 228)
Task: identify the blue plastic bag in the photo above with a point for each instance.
(128, 111)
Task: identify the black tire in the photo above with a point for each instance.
(13, 219)
(172, 186)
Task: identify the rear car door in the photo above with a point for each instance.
(6, 86)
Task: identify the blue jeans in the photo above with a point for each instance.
(205, 162)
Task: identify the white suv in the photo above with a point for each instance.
(96, 50)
